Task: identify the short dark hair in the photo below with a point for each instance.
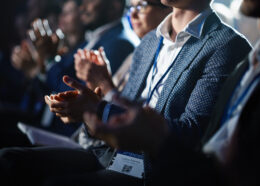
(123, 5)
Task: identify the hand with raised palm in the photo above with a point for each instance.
(71, 105)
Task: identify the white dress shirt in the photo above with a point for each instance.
(170, 51)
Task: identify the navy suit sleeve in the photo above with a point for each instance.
(221, 63)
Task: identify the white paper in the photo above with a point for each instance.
(45, 138)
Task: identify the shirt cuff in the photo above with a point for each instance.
(106, 112)
(109, 96)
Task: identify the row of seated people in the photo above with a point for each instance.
(47, 55)
(176, 74)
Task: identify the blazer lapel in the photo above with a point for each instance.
(186, 56)
(140, 72)
(183, 60)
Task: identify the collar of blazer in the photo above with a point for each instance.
(189, 52)
(144, 60)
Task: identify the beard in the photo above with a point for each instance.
(250, 8)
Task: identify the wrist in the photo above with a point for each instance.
(107, 86)
(100, 108)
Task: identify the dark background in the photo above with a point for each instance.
(8, 10)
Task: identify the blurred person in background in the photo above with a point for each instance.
(224, 12)
(14, 85)
(103, 28)
(243, 23)
(142, 21)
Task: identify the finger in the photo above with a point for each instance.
(66, 120)
(103, 54)
(60, 34)
(73, 83)
(104, 58)
(16, 60)
(93, 57)
(55, 39)
(58, 98)
(40, 27)
(47, 100)
(31, 35)
(68, 94)
(98, 91)
(47, 27)
(36, 29)
(82, 54)
(77, 57)
(54, 103)
(100, 56)
(88, 56)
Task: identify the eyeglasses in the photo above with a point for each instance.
(142, 5)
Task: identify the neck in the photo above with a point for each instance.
(181, 17)
(74, 39)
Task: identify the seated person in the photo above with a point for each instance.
(228, 156)
(103, 31)
(144, 16)
(177, 71)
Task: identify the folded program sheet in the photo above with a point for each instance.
(45, 138)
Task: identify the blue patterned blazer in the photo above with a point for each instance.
(192, 87)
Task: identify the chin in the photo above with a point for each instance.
(168, 2)
(250, 8)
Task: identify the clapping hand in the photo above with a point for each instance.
(45, 40)
(93, 68)
(71, 105)
(138, 129)
(22, 59)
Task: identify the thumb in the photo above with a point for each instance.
(101, 56)
(73, 83)
(98, 91)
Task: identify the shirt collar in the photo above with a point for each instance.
(193, 28)
(89, 35)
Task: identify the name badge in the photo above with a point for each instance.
(127, 164)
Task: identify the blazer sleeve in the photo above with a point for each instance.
(195, 119)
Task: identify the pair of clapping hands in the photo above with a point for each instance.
(138, 129)
(30, 56)
(93, 67)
